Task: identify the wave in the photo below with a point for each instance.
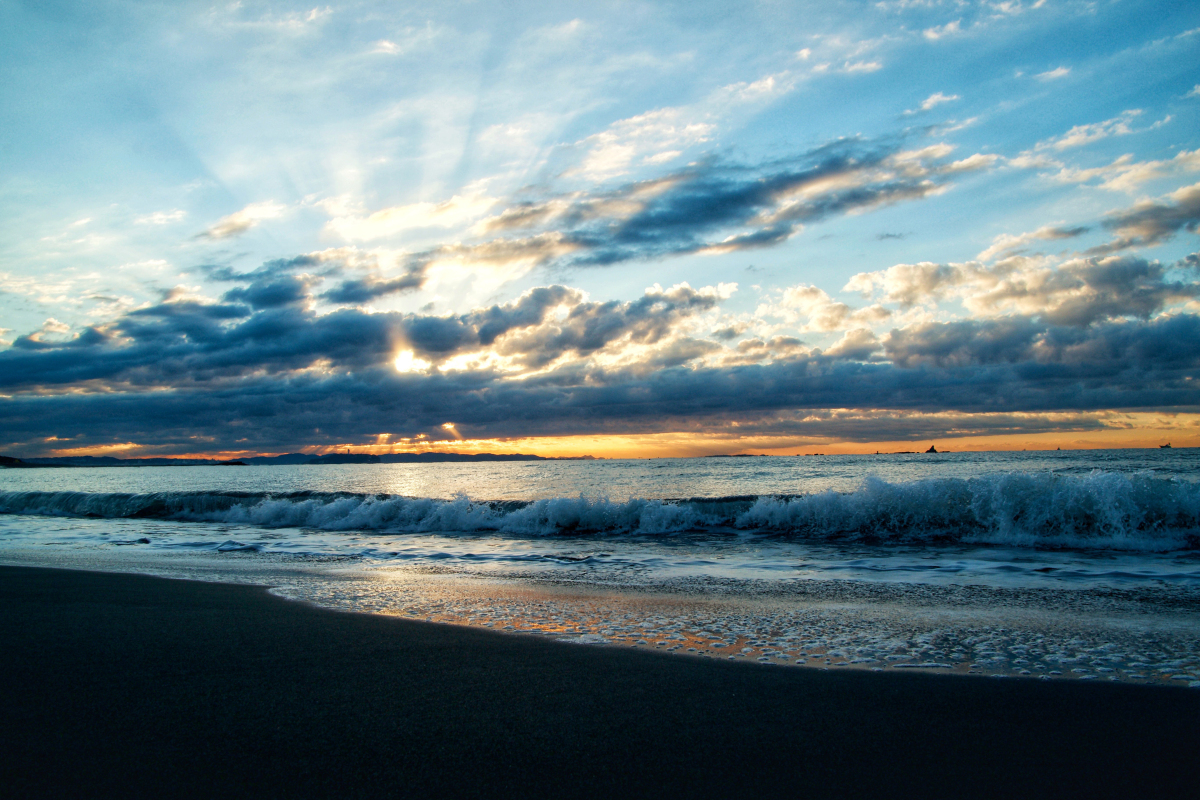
(1108, 510)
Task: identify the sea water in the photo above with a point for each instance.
(1079, 564)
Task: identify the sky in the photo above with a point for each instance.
(607, 228)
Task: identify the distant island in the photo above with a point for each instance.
(286, 459)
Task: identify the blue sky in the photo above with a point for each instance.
(605, 227)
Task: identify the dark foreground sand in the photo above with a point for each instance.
(127, 685)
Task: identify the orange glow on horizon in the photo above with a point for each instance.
(1135, 430)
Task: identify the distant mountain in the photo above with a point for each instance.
(344, 458)
(285, 459)
(418, 458)
(109, 461)
(76, 461)
(435, 458)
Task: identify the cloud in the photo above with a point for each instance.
(270, 323)
(323, 263)
(858, 344)
(756, 350)
(1054, 74)
(272, 293)
(648, 137)
(359, 291)
(1126, 175)
(391, 221)
(502, 260)
(1195, 92)
(1008, 243)
(1152, 222)
(528, 337)
(862, 66)
(263, 369)
(714, 206)
(814, 310)
(239, 222)
(977, 367)
(55, 334)
(933, 101)
(708, 207)
(292, 22)
(962, 344)
(410, 39)
(1086, 134)
(1077, 292)
(910, 284)
(1091, 353)
(941, 32)
(271, 327)
(386, 47)
(161, 217)
(613, 152)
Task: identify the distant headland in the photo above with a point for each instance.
(287, 459)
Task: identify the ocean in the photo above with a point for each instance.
(1074, 565)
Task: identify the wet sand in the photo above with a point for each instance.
(123, 684)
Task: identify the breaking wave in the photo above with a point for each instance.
(1108, 510)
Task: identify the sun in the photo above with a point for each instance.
(406, 361)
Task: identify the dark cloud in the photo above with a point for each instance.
(1115, 348)
(358, 291)
(283, 378)
(729, 332)
(1153, 222)
(1079, 292)
(262, 369)
(963, 343)
(709, 206)
(589, 327)
(317, 264)
(188, 343)
(1116, 287)
(88, 337)
(719, 205)
(271, 293)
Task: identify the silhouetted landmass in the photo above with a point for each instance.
(8, 461)
(432, 458)
(286, 459)
(110, 461)
(344, 458)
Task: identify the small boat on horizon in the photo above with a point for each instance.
(1166, 446)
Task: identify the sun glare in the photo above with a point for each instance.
(406, 361)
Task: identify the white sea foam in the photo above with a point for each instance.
(1102, 509)
(1109, 510)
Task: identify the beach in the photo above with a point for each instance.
(126, 684)
(615, 400)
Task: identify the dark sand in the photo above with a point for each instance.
(127, 685)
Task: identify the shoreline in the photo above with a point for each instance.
(120, 682)
(1134, 636)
